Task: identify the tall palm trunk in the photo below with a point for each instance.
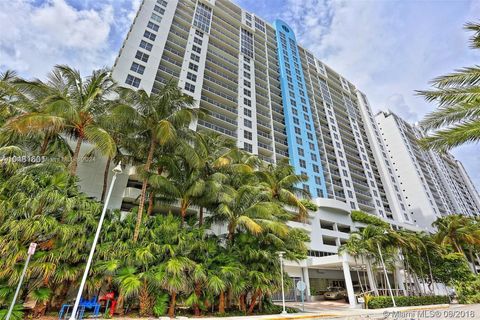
(241, 303)
(144, 191)
(200, 217)
(472, 261)
(151, 196)
(105, 178)
(171, 308)
(253, 301)
(198, 293)
(145, 301)
(74, 162)
(183, 211)
(221, 303)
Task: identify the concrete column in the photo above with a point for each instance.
(306, 279)
(400, 278)
(348, 282)
(371, 278)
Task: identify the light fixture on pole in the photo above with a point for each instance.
(30, 252)
(385, 271)
(116, 170)
(280, 255)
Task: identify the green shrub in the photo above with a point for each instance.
(468, 292)
(360, 216)
(386, 301)
(161, 305)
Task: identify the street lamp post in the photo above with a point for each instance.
(280, 255)
(116, 170)
(386, 275)
(30, 252)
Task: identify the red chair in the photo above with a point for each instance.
(110, 301)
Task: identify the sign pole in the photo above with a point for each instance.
(31, 251)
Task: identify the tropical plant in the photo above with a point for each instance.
(159, 119)
(457, 119)
(70, 105)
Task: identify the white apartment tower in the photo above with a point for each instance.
(275, 99)
(433, 184)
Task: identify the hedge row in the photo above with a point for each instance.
(361, 216)
(386, 301)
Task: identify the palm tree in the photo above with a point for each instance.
(457, 119)
(68, 104)
(282, 184)
(247, 208)
(158, 118)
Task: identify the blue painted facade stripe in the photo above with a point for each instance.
(294, 111)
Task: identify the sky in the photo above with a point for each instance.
(388, 48)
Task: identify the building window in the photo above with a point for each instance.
(246, 43)
(352, 204)
(247, 123)
(247, 147)
(156, 18)
(133, 81)
(194, 57)
(318, 180)
(189, 87)
(247, 92)
(316, 169)
(299, 140)
(149, 35)
(202, 17)
(153, 26)
(247, 112)
(137, 68)
(141, 56)
(297, 130)
(247, 83)
(296, 121)
(246, 74)
(193, 66)
(302, 163)
(247, 135)
(197, 41)
(350, 194)
(246, 67)
(313, 156)
(191, 76)
(196, 49)
(301, 152)
(145, 45)
(199, 33)
(159, 10)
(247, 102)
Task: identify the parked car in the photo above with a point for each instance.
(335, 293)
(356, 291)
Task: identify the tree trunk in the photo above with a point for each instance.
(231, 231)
(253, 301)
(472, 261)
(242, 304)
(221, 304)
(74, 162)
(198, 293)
(105, 179)
(145, 302)
(200, 217)
(151, 196)
(171, 308)
(144, 192)
(183, 212)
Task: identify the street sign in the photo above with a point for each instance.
(301, 286)
(31, 249)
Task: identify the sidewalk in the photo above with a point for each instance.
(334, 313)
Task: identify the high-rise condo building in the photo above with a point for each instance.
(433, 184)
(275, 99)
(262, 89)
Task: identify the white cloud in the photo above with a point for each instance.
(36, 37)
(389, 49)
